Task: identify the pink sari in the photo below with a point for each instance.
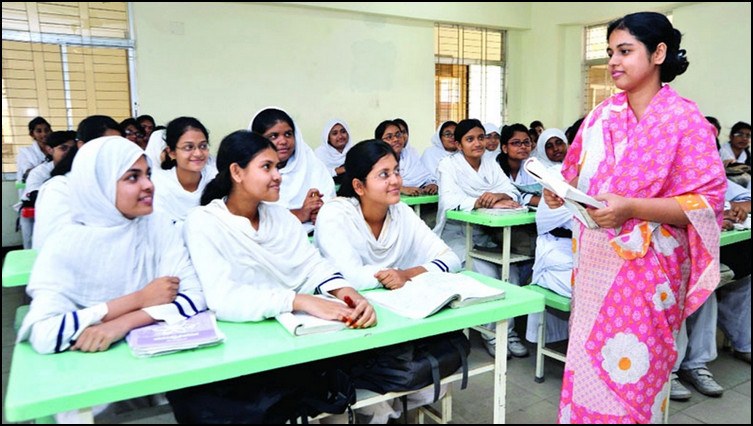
(635, 285)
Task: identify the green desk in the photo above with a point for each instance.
(417, 200)
(41, 385)
(727, 237)
(20, 185)
(506, 222)
(17, 267)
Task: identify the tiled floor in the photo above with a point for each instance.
(528, 402)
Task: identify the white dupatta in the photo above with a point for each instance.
(328, 155)
(169, 196)
(433, 154)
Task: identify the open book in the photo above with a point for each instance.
(575, 200)
(299, 323)
(161, 338)
(429, 292)
(500, 212)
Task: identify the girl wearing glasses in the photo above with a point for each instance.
(185, 170)
(738, 148)
(515, 148)
(442, 145)
(650, 155)
(417, 179)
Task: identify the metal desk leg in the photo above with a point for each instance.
(500, 372)
(506, 233)
(468, 246)
(417, 209)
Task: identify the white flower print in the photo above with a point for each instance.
(625, 358)
(660, 404)
(664, 243)
(663, 297)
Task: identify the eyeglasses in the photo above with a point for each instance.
(390, 136)
(191, 148)
(129, 133)
(448, 134)
(518, 144)
(742, 135)
(384, 175)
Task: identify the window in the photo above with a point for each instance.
(64, 62)
(468, 73)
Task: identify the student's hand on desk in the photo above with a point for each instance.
(736, 213)
(431, 189)
(392, 278)
(617, 211)
(552, 200)
(728, 224)
(98, 338)
(159, 291)
(506, 204)
(363, 315)
(485, 201)
(410, 190)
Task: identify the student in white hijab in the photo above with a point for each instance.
(492, 140)
(442, 145)
(252, 256)
(551, 148)
(468, 181)
(185, 170)
(417, 179)
(373, 238)
(335, 144)
(115, 267)
(52, 209)
(307, 182)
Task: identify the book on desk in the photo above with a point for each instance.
(162, 338)
(427, 293)
(299, 323)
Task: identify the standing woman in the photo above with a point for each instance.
(185, 171)
(115, 267)
(650, 155)
(252, 256)
(335, 144)
(307, 181)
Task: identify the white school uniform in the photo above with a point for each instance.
(171, 199)
(726, 153)
(412, 170)
(302, 172)
(27, 158)
(52, 209)
(102, 255)
(37, 176)
(523, 178)
(431, 156)
(248, 274)
(327, 154)
(492, 155)
(540, 151)
(459, 188)
(344, 238)
(156, 145)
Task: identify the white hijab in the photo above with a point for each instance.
(540, 151)
(331, 157)
(412, 170)
(431, 156)
(102, 255)
(302, 172)
(492, 128)
(169, 196)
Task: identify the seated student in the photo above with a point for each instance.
(516, 148)
(307, 181)
(133, 131)
(738, 148)
(335, 144)
(442, 145)
(115, 267)
(468, 181)
(26, 159)
(147, 123)
(573, 129)
(492, 140)
(727, 308)
(185, 172)
(553, 264)
(417, 179)
(252, 256)
(375, 240)
(52, 208)
(717, 128)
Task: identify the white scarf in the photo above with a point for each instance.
(540, 151)
(460, 185)
(169, 196)
(103, 255)
(248, 274)
(328, 155)
(302, 172)
(431, 156)
(344, 237)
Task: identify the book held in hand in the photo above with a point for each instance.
(575, 200)
(299, 323)
(161, 338)
(427, 293)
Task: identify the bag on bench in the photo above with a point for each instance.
(411, 365)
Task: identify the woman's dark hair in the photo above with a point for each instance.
(60, 137)
(130, 121)
(175, 129)
(238, 147)
(445, 125)
(740, 125)
(573, 130)
(507, 134)
(718, 126)
(360, 160)
(401, 124)
(379, 131)
(146, 117)
(89, 128)
(36, 122)
(464, 126)
(535, 123)
(652, 28)
(268, 118)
